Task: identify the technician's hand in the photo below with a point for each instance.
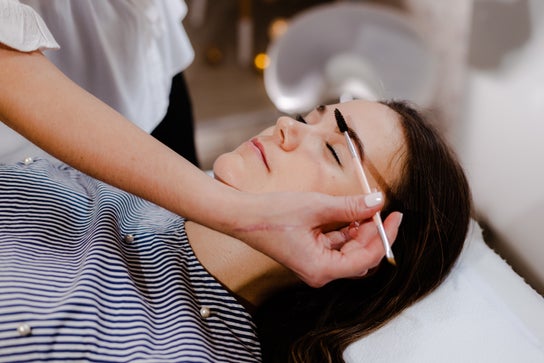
(301, 231)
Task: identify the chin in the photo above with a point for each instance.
(224, 170)
(237, 172)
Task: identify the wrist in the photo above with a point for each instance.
(227, 208)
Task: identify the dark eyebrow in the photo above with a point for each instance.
(352, 134)
(358, 143)
(372, 169)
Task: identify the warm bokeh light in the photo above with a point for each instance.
(214, 55)
(261, 61)
(277, 28)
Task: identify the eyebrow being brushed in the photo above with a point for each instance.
(353, 135)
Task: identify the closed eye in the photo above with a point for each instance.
(299, 118)
(334, 154)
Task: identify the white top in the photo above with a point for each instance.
(125, 52)
(21, 28)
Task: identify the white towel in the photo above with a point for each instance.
(483, 312)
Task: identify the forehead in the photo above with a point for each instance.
(371, 121)
(381, 133)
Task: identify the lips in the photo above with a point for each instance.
(260, 148)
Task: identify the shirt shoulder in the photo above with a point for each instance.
(23, 29)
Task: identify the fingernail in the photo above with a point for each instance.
(400, 219)
(373, 199)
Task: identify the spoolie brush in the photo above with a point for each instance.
(343, 126)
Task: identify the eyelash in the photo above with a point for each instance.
(299, 118)
(334, 154)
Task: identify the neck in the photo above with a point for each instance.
(247, 273)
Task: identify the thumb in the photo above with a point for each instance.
(358, 207)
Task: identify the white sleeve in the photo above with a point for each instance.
(23, 29)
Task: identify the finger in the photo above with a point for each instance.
(364, 232)
(359, 256)
(371, 247)
(346, 209)
(338, 238)
(352, 261)
(361, 207)
(391, 226)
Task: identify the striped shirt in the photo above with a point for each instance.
(91, 273)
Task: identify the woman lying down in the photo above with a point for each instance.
(90, 273)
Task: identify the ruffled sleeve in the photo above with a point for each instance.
(23, 29)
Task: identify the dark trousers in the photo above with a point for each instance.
(176, 130)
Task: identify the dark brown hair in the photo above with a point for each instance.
(305, 324)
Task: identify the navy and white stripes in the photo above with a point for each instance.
(90, 273)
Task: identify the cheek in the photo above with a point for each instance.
(304, 175)
(317, 177)
(337, 182)
(337, 185)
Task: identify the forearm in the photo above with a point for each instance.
(43, 105)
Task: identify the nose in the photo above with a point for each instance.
(288, 132)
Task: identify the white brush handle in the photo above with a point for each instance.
(366, 189)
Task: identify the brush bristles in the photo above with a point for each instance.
(392, 261)
(342, 125)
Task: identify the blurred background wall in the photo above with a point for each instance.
(502, 140)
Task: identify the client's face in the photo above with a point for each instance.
(313, 156)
